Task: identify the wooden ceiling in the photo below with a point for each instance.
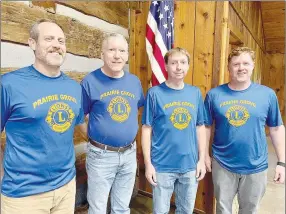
(273, 18)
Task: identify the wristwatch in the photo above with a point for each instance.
(281, 163)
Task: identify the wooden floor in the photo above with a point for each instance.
(139, 205)
(143, 205)
(272, 202)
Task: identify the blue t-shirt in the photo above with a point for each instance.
(112, 105)
(39, 114)
(173, 116)
(239, 143)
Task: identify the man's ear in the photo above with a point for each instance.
(165, 66)
(101, 55)
(32, 44)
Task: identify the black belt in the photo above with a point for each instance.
(110, 148)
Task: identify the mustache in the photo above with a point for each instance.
(56, 51)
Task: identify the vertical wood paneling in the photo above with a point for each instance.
(252, 15)
(217, 43)
(273, 77)
(132, 43)
(141, 68)
(251, 21)
(202, 78)
(200, 70)
(204, 44)
(221, 43)
(184, 31)
(199, 29)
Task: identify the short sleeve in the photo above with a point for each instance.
(274, 116)
(5, 106)
(201, 110)
(208, 110)
(141, 99)
(149, 110)
(80, 117)
(86, 101)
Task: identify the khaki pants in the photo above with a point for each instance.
(58, 201)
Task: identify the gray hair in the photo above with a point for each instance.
(112, 35)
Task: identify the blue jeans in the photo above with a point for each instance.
(108, 170)
(185, 185)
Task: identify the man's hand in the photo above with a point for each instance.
(279, 177)
(201, 170)
(208, 162)
(150, 174)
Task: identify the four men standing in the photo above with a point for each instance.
(40, 107)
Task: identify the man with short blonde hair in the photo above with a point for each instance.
(240, 110)
(175, 51)
(241, 50)
(173, 137)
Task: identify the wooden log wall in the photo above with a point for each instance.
(84, 23)
(83, 37)
(201, 27)
(194, 31)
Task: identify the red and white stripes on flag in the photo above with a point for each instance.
(159, 37)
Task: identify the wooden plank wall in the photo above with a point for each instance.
(273, 76)
(273, 16)
(246, 29)
(269, 66)
(245, 22)
(194, 31)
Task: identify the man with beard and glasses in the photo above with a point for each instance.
(40, 107)
(111, 98)
(240, 110)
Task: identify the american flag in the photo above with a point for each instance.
(159, 37)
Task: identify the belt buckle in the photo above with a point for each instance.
(119, 149)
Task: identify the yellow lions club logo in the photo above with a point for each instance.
(60, 117)
(180, 118)
(237, 115)
(119, 109)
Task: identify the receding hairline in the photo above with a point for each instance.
(34, 31)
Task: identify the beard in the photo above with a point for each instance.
(51, 58)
